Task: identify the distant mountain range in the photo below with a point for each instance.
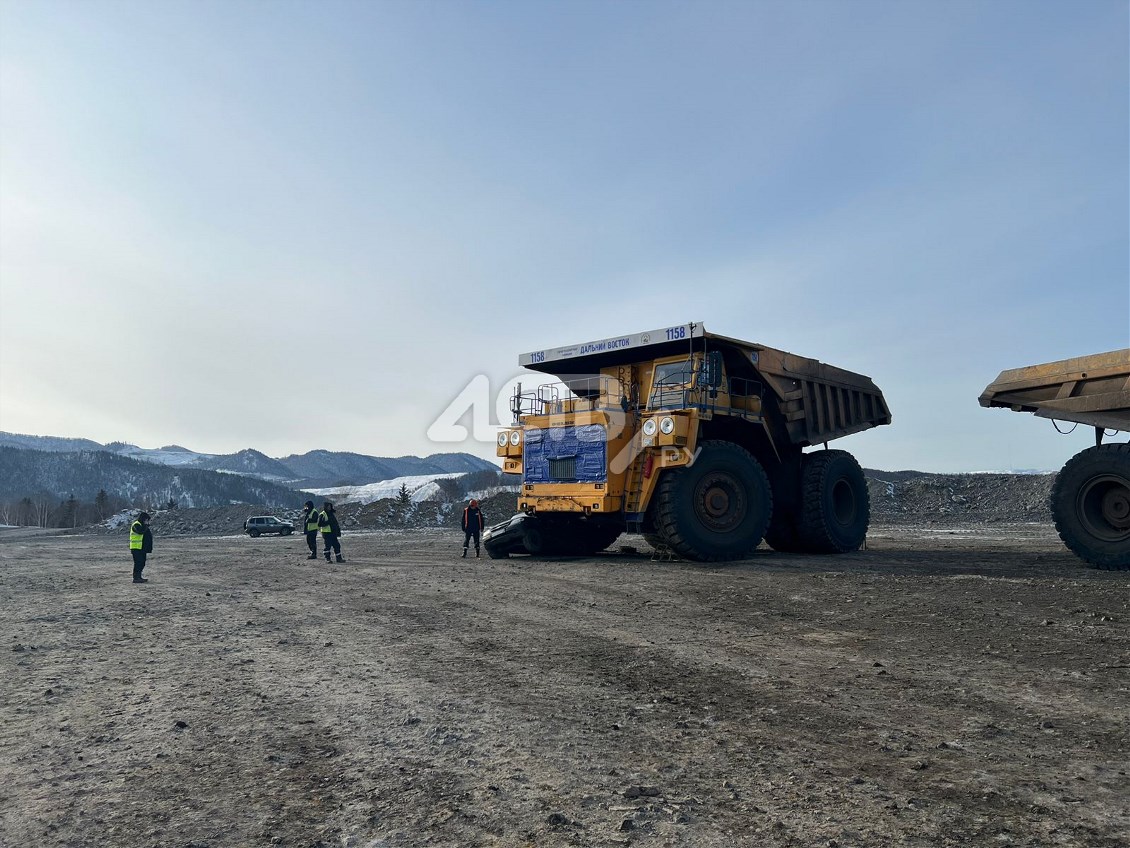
(60, 474)
(60, 467)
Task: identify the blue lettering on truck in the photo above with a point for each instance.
(679, 332)
(607, 344)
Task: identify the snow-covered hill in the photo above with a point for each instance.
(421, 487)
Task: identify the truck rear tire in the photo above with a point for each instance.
(716, 509)
(1090, 503)
(836, 507)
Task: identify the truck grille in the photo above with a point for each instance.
(563, 469)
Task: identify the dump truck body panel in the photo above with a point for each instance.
(1093, 390)
(819, 402)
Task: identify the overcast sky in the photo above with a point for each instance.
(300, 225)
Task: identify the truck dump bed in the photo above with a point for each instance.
(1092, 390)
(819, 402)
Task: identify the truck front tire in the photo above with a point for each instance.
(1090, 503)
(716, 509)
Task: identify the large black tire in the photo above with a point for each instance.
(1091, 505)
(783, 534)
(595, 538)
(716, 509)
(584, 537)
(497, 552)
(836, 508)
(536, 540)
(567, 536)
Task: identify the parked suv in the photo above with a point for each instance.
(259, 524)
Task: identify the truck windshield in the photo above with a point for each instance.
(671, 382)
(672, 374)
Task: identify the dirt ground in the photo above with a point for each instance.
(942, 687)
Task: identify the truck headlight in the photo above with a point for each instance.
(667, 425)
(649, 427)
(502, 439)
(515, 437)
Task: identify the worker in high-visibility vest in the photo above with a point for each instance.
(331, 530)
(140, 544)
(310, 524)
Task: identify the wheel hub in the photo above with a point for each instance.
(1104, 507)
(720, 503)
(717, 502)
(843, 502)
(1116, 507)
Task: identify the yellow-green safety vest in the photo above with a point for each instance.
(136, 535)
(311, 520)
(326, 529)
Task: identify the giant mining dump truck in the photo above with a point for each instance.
(693, 439)
(1090, 500)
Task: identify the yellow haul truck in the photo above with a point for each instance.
(695, 440)
(1090, 500)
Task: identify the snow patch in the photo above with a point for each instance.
(421, 487)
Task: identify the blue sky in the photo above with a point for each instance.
(309, 225)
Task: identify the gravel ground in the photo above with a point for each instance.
(960, 685)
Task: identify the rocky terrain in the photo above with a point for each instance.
(951, 685)
(965, 498)
(961, 681)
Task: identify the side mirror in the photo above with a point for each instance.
(712, 369)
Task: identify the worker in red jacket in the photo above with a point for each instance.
(472, 525)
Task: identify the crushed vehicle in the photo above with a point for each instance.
(1090, 499)
(694, 439)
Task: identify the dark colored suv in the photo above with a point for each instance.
(257, 525)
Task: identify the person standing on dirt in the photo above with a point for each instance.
(310, 524)
(140, 545)
(472, 525)
(331, 530)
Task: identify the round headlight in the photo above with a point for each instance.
(515, 437)
(667, 425)
(502, 438)
(649, 427)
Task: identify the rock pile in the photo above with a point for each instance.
(959, 498)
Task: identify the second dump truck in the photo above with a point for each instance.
(693, 439)
(1090, 500)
